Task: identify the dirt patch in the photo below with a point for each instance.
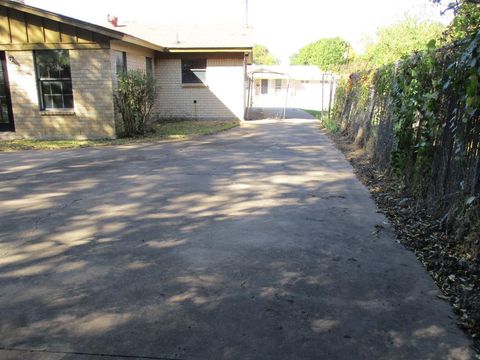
(448, 260)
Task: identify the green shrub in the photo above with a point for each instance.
(330, 124)
(134, 99)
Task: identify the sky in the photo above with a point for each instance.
(284, 26)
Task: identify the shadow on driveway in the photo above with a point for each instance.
(257, 243)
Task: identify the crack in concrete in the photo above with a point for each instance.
(63, 206)
(87, 354)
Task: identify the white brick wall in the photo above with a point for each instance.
(93, 115)
(223, 98)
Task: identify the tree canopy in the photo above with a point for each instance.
(467, 17)
(262, 56)
(327, 53)
(402, 39)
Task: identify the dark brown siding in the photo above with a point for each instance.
(19, 30)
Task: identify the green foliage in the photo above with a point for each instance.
(134, 98)
(329, 124)
(342, 92)
(429, 98)
(326, 121)
(470, 62)
(466, 21)
(328, 54)
(262, 56)
(316, 113)
(400, 40)
(180, 129)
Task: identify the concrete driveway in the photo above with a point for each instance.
(257, 243)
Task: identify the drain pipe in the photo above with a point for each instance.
(332, 79)
(286, 98)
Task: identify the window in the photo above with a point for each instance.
(278, 85)
(194, 71)
(149, 66)
(264, 86)
(54, 79)
(120, 62)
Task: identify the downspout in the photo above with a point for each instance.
(323, 92)
(245, 79)
(248, 103)
(330, 98)
(286, 98)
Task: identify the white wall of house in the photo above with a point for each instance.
(305, 94)
(222, 97)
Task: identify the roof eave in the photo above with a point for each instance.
(140, 42)
(114, 34)
(208, 49)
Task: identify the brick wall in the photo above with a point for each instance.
(94, 79)
(135, 56)
(222, 98)
(93, 115)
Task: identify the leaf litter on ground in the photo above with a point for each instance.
(457, 277)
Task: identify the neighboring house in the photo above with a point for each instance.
(297, 86)
(58, 74)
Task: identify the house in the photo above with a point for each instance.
(58, 74)
(297, 86)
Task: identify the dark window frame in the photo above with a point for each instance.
(263, 87)
(149, 66)
(123, 67)
(63, 82)
(194, 71)
(10, 125)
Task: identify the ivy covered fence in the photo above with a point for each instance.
(419, 119)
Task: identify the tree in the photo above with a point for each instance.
(134, 98)
(467, 17)
(262, 56)
(328, 54)
(402, 39)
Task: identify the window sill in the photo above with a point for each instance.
(194, 85)
(57, 113)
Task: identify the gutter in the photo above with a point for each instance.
(208, 49)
